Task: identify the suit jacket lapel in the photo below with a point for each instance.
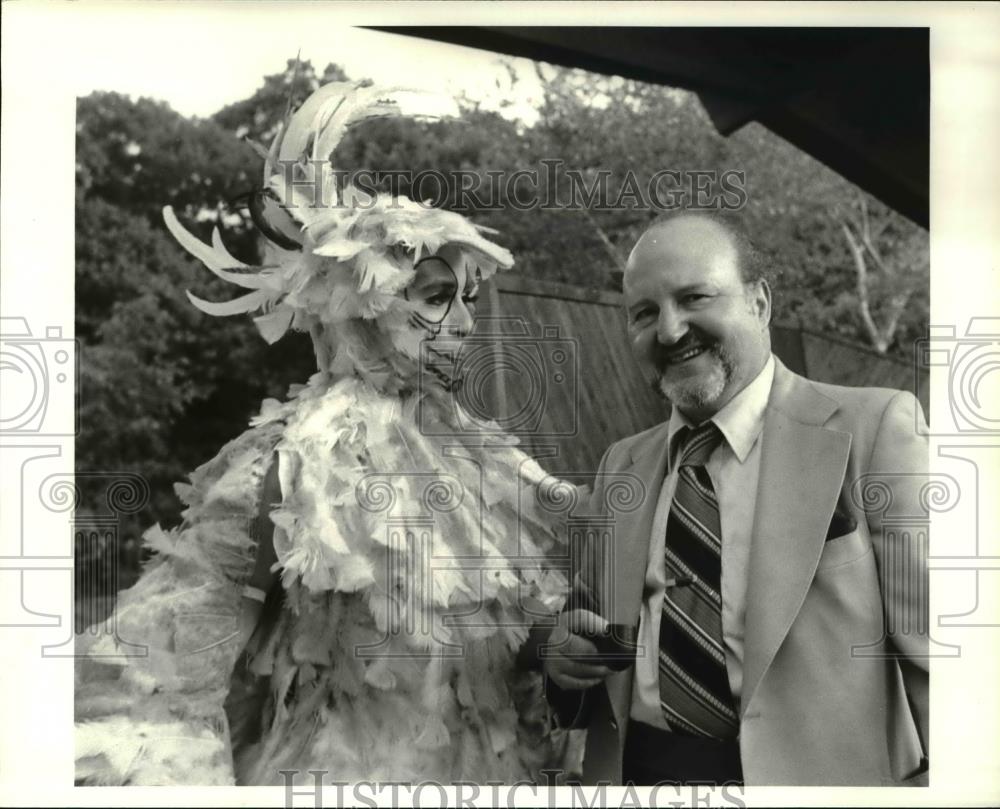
(632, 534)
(632, 531)
(801, 474)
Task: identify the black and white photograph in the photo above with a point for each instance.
(500, 403)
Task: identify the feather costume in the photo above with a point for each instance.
(413, 541)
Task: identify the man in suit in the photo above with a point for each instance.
(782, 625)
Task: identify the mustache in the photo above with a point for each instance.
(663, 354)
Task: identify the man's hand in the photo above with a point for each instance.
(564, 656)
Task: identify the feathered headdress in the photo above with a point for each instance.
(333, 252)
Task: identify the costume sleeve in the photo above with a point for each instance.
(151, 681)
(899, 466)
(570, 708)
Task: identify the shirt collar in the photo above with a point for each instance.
(740, 421)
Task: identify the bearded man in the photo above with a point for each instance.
(782, 627)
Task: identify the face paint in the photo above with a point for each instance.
(442, 297)
(432, 293)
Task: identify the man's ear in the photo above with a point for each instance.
(761, 301)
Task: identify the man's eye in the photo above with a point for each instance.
(695, 297)
(438, 300)
(642, 315)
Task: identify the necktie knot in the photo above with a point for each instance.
(697, 444)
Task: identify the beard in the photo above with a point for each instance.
(698, 392)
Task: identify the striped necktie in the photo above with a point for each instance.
(694, 687)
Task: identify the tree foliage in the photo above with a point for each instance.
(141, 155)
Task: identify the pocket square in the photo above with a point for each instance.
(842, 523)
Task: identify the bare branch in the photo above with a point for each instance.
(874, 253)
(867, 239)
(883, 227)
(896, 308)
(866, 235)
(609, 246)
(864, 305)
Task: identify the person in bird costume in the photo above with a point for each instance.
(372, 554)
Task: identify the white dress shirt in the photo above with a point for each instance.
(734, 467)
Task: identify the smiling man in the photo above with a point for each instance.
(769, 603)
(695, 323)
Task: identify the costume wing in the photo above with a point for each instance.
(151, 682)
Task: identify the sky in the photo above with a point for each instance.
(200, 57)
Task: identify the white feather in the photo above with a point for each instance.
(237, 306)
(326, 115)
(375, 102)
(216, 259)
(300, 126)
(220, 248)
(273, 325)
(271, 157)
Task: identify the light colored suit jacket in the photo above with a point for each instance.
(835, 685)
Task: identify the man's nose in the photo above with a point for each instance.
(671, 326)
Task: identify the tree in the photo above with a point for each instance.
(796, 206)
(607, 130)
(898, 259)
(142, 155)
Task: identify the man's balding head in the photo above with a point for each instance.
(750, 261)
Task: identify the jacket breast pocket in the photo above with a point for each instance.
(842, 550)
